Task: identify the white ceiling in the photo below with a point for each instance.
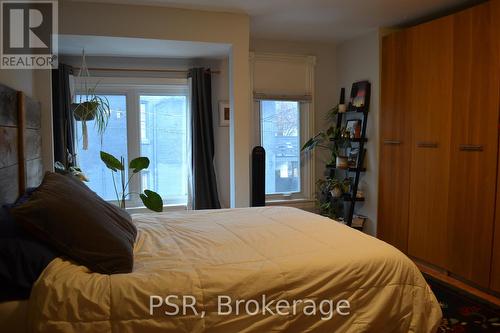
(318, 20)
(139, 47)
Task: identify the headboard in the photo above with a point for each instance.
(20, 144)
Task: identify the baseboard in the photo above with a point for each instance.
(443, 276)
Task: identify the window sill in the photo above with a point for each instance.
(289, 201)
(166, 208)
(304, 204)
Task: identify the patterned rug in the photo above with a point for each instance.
(464, 313)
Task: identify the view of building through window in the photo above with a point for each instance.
(280, 137)
(164, 141)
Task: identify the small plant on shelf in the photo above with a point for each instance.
(330, 190)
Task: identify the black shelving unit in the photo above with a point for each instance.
(342, 117)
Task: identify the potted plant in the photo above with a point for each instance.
(150, 199)
(329, 191)
(341, 145)
(334, 139)
(91, 107)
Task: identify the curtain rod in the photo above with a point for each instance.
(143, 70)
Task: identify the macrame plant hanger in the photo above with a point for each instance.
(83, 76)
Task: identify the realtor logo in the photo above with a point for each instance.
(29, 34)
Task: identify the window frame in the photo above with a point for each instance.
(133, 88)
(306, 128)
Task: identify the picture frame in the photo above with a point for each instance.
(360, 97)
(224, 113)
(353, 126)
(352, 158)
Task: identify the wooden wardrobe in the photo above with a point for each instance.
(439, 129)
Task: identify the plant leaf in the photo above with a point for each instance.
(111, 162)
(139, 163)
(152, 200)
(59, 167)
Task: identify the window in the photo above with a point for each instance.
(166, 145)
(148, 118)
(283, 126)
(114, 142)
(280, 137)
(283, 91)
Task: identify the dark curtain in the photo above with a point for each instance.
(63, 125)
(204, 182)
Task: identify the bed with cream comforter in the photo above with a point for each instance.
(281, 253)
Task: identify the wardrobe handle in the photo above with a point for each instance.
(471, 147)
(425, 144)
(392, 142)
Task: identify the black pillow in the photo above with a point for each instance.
(22, 259)
(67, 215)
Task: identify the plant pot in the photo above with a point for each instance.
(341, 162)
(85, 111)
(336, 192)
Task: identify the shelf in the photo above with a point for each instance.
(331, 166)
(347, 197)
(353, 139)
(351, 112)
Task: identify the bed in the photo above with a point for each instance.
(267, 269)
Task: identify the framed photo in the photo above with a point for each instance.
(360, 96)
(224, 112)
(352, 159)
(353, 126)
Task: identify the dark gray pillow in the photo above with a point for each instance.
(67, 215)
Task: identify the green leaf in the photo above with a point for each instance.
(139, 163)
(59, 167)
(111, 162)
(152, 200)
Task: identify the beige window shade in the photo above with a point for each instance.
(263, 96)
(282, 77)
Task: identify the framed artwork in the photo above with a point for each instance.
(360, 96)
(224, 112)
(353, 126)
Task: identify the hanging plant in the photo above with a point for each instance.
(90, 106)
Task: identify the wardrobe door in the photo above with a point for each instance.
(495, 263)
(474, 145)
(395, 145)
(432, 51)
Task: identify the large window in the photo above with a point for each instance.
(148, 118)
(283, 127)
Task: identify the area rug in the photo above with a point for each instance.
(464, 313)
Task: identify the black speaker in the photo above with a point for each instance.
(258, 176)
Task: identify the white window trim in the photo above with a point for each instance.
(132, 88)
(307, 128)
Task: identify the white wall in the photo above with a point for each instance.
(34, 84)
(358, 59)
(18, 79)
(220, 92)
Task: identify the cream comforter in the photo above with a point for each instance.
(281, 253)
